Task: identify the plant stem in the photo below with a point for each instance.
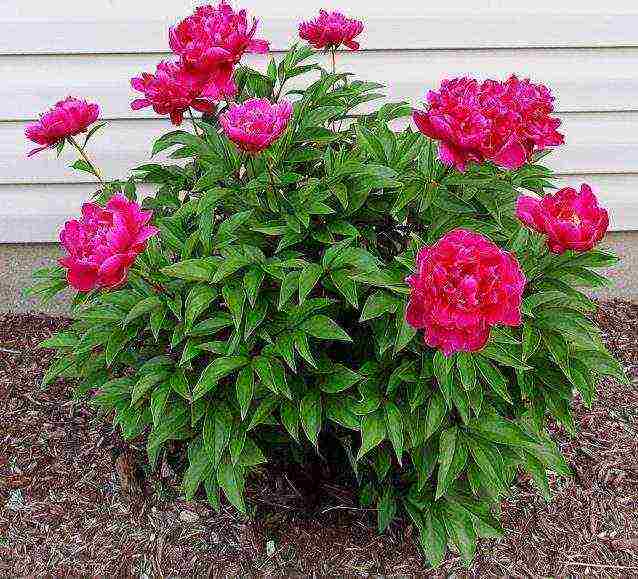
(86, 158)
(273, 199)
(334, 60)
(192, 116)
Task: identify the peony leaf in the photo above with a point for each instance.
(323, 328)
(215, 371)
(310, 410)
(373, 432)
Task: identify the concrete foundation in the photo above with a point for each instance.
(18, 261)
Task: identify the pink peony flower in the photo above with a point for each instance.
(256, 123)
(463, 285)
(331, 30)
(502, 122)
(569, 219)
(66, 119)
(172, 90)
(104, 243)
(213, 40)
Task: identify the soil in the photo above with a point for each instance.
(74, 500)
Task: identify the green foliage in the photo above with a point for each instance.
(274, 298)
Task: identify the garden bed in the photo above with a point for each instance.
(69, 503)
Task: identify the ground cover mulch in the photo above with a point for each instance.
(74, 502)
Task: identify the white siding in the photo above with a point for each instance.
(586, 52)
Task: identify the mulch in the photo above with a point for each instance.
(71, 500)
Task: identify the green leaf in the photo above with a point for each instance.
(310, 410)
(308, 278)
(536, 468)
(433, 536)
(460, 528)
(251, 454)
(373, 432)
(559, 349)
(405, 334)
(531, 303)
(174, 426)
(289, 285)
(434, 415)
(254, 317)
(198, 300)
(582, 379)
(231, 480)
(603, 363)
(145, 383)
(118, 339)
(340, 409)
(531, 340)
(252, 282)
(142, 308)
(263, 411)
(442, 366)
(61, 340)
(339, 379)
(179, 384)
(218, 425)
(378, 304)
(323, 328)
(467, 369)
(192, 269)
(245, 386)
(345, 285)
(212, 325)
(341, 193)
(394, 425)
(290, 418)
(452, 459)
(234, 298)
(493, 377)
(489, 461)
(215, 371)
(199, 467)
(501, 430)
(386, 509)
(502, 356)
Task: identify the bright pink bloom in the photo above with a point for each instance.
(172, 90)
(213, 40)
(331, 30)
(463, 285)
(256, 123)
(66, 119)
(104, 243)
(570, 219)
(502, 122)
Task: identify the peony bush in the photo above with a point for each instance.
(312, 273)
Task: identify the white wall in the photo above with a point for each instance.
(587, 52)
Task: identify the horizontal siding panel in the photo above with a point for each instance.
(596, 143)
(35, 213)
(582, 80)
(118, 26)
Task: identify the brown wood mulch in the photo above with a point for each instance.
(70, 502)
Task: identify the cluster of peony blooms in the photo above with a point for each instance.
(502, 122)
(463, 285)
(66, 119)
(255, 124)
(209, 44)
(331, 30)
(570, 219)
(104, 243)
